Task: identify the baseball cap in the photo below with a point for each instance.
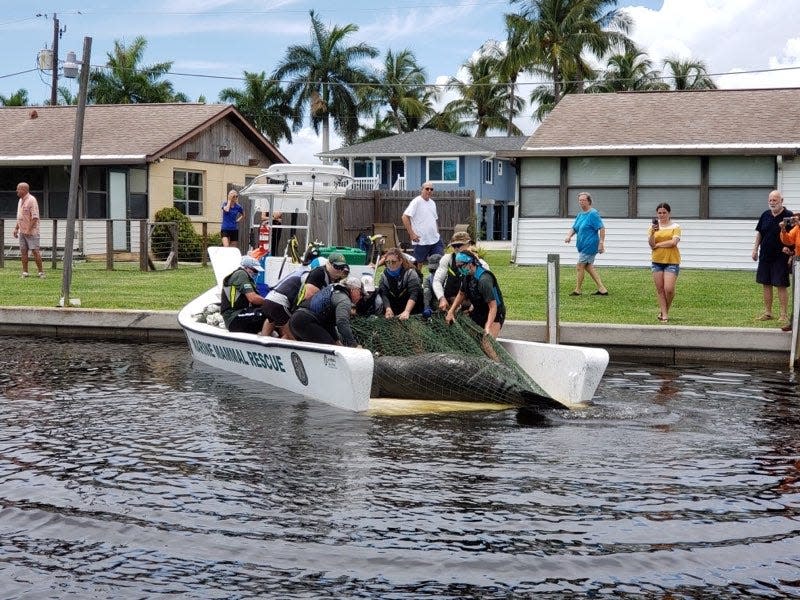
(248, 262)
(337, 260)
(368, 283)
(433, 261)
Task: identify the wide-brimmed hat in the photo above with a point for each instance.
(460, 237)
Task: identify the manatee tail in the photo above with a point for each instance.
(538, 401)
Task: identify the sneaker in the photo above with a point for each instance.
(41, 275)
(787, 327)
(24, 273)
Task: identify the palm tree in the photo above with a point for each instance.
(264, 103)
(65, 95)
(484, 99)
(630, 72)
(401, 87)
(689, 74)
(560, 31)
(18, 98)
(515, 58)
(127, 82)
(325, 78)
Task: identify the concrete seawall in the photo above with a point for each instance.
(646, 344)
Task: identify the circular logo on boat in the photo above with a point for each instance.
(299, 369)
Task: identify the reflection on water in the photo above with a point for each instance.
(127, 472)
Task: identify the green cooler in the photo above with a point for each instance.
(353, 256)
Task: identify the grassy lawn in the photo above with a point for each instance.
(704, 297)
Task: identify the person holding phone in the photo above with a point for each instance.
(591, 241)
(663, 237)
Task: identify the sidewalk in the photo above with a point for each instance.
(645, 344)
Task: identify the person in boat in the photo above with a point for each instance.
(400, 287)
(334, 269)
(429, 304)
(447, 279)
(480, 287)
(281, 301)
(232, 213)
(371, 303)
(325, 317)
(241, 305)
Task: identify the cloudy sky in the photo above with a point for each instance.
(745, 43)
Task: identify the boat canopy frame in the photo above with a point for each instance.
(291, 189)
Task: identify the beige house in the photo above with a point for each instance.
(712, 155)
(135, 160)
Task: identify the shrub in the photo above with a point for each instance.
(189, 241)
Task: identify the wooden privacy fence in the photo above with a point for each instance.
(359, 209)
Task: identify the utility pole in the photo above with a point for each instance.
(54, 84)
(77, 146)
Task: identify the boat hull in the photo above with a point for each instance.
(336, 375)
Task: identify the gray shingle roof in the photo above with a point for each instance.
(765, 121)
(141, 131)
(427, 142)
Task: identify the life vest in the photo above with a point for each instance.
(452, 282)
(480, 309)
(232, 297)
(291, 285)
(321, 301)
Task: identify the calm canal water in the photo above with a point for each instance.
(125, 472)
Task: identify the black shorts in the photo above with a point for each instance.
(248, 321)
(276, 313)
(306, 327)
(231, 234)
(774, 272)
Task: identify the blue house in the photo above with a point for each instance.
(451, 162)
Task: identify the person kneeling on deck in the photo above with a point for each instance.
(325, 318)
(480, 287)
(281, 301)
(240, 302)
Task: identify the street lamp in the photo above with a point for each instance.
(74, 174)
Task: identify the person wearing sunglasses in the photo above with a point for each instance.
(400, 287)
(420, 220)
(335, 268)
(480, 287)
(447, 279)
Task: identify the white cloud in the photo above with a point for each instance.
(306, 144)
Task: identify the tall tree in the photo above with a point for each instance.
(126, 81)
(325, 75)
(264, 103)
(401, 88)
(484, 98)
(688, 74)
(515, 58)
(630, 72)
(561, 31)
(18, 98)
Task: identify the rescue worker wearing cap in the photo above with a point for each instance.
(240, 302)
(325, 318)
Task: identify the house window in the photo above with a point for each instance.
(443, 170)
(488, 170)
(739, 185)
(605, 178)
(499, 168)
(539, 191)
(187, 192)
(96, 193)
(671, 179)
(363, 168)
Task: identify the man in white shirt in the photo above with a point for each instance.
(420, 220)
